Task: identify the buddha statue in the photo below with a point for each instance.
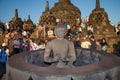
(59, 51)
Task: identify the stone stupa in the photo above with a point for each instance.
(63, 11)
(102, 27)
(28, 25)
(17, 21)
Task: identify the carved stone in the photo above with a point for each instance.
(31, 64)
(102, 27)
(62, 50)
(28, 25)
(17, 21)
(63, 10)
(1, 28)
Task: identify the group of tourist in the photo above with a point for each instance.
(91, 43)
(14, 41)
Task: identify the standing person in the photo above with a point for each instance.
(104, 45)
(93, 43)
(65, 24)
(16, 44)
(68, 30)
(25, 44)
(24, 33)
(83, 25)
(98, 47)
(7, 27)
(77, 42)
(73, 32)
(90, 30)
(4, 53)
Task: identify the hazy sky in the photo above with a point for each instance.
(34, 8)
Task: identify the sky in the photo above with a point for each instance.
(34, 8)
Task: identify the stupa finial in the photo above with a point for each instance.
(64, 0)
(16, 13)
(47, 6)
(97, 4)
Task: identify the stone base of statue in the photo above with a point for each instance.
(89, 65)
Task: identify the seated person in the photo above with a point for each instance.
(50, 33)
(62, 50)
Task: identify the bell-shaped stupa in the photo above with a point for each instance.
(63, 11)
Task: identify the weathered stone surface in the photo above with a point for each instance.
(63, 10)
(28, 25)
(63, 51)
(17, 21)
(1, 28)
(23, 66)
(102, 27)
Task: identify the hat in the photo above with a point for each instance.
(4, 44)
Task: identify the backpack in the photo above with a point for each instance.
(105, 47)
(3, 56)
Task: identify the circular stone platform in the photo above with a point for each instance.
(30, 66)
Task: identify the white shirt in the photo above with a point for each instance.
(42, 46)
(50, 32)
(85, 44)
(24, 33)
(68, 26)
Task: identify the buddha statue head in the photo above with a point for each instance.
(60, 30)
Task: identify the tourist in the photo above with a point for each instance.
(73, 32)
(90, 30)
(118, 29)
(104, 45)
(4, 54)
(83, 24)
(87, 19)
(7, 27)
(41, 45)
(57, 20)
(85, 43)
(6, 39)
(98, 45)
(24, 33)
(50, 34)
(65, 24)
(93, 43)
(80, 29)
(16, 44)
(33, 46)
(25, 44)
(68, 30)
(77, 42)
